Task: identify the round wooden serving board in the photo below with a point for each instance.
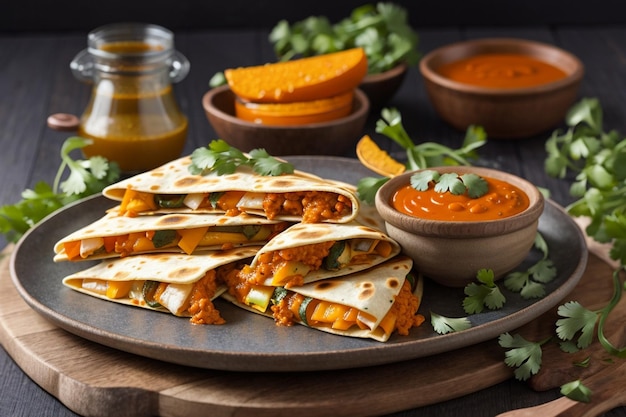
(94, 380)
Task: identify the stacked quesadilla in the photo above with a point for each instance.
(294, 246)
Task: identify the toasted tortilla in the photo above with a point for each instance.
(174, 178)
(113, 225)
(372, 291)
(301, 235)
(182, 271)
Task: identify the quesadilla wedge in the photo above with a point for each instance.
(297, 197)
(183, 285)
(368, 304)
(309, 252)
(119, 236)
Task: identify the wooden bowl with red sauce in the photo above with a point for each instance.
(451, 251)
(511, 99)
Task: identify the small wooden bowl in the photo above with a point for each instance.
(503, 112)
(380, 88)
(452, 252)
(334, 137)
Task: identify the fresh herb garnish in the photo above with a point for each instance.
(221, 158)
(443, 325)
(598, 159)
(423, 155)
(531, 283)
(474, 185)
(523, 355)
(576, 320)
(86, 177)
(382, 31)
(484, 294)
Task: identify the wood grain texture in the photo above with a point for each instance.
(96, 380)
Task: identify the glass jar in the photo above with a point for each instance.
(132, 116)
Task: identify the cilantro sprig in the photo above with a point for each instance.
(485, 293)
(456, 184)
(422, 155)
(523, 355)
(86, 177)
(382, 30)
(531, 283)
(598, 160)
(221, 158)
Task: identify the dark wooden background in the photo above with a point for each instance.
(45, 15)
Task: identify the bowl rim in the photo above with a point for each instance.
(573, 77)
(455, 228)
(362, 110)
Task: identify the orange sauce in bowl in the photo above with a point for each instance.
(501, 200)
(501, 71)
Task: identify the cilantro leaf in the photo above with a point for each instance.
(524, 355)
(516, 280)
(533, 289)
(543, 271)
(265, 164)
(473, 303)
(576, 319)
(86, 177)
(476, 185)
(450, 182)
(421, 180)
(486, 294)
(443, 325)
(223, 159)
(531, 283)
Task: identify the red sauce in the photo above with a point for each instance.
(502, 71)
(501, 200)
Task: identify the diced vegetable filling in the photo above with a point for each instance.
(287, 267)
(186, 300)
(289, 307)
(187, 240)
(312, 206)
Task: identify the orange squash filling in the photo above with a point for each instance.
(186, 239)
(287, 267)
(313, 206)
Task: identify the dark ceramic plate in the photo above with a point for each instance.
(250, 342)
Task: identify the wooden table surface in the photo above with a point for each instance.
(35, 81)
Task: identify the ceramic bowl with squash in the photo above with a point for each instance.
(452, 252)
(504, 112)
(334, 137)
